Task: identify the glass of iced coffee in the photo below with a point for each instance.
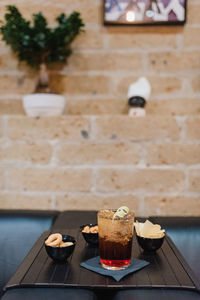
(115, 239)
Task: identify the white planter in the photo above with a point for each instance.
(38, 105)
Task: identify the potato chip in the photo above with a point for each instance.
(149, 230)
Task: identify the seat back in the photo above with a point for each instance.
(75, 218)
(19, 230)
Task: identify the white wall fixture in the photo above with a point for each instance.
(138, 93)
(44, 104)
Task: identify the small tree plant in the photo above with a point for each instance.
(39, 45)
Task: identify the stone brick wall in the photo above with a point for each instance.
(96, 156)
(82, 162)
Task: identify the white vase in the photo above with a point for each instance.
(42, 104)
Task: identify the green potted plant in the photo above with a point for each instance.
(39, 45)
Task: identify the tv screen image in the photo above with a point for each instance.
(144, 12)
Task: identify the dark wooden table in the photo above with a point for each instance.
(167, 269)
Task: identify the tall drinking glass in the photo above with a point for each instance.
(115, 239)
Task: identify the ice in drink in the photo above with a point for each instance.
(115, 239)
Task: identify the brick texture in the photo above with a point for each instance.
(2, 178)
(193, 131)
(25, 152)
(195, 181)
(16, 84)
(172, 206)
(97, 106)
(106, 59)
(172, 62)
(178, 107)
(193, 14)
(130, 180)
(1, 127)
(49, 180)
(95, 156)
(71, 128)
(196, 84)
(109, 62)
(119, 153)
(190, 37)
(159, 85)
(11, 106)
(120, 127)
(77, 162)
(89, 40)
(79, 84)
(140, 38)
(19, 201)
(96, 202)
(172, 154)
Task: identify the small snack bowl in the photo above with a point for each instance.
(61, 252)
(150, 244)
(89, 236)
(149, 236)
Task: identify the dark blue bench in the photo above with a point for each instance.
(21, 229)
(185, 233)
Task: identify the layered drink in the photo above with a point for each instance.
(115, 239)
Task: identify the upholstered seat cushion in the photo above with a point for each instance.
(185, 233)
(19, 231)
(156, 294)
(48, 294)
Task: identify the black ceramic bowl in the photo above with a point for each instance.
(60, 254)
(148, 244)
(91, 238)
